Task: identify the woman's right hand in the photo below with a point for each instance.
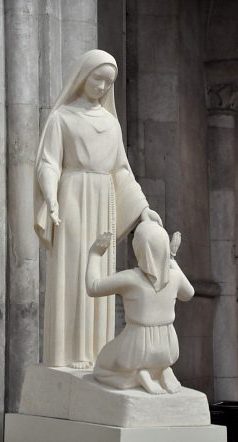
(54, 213)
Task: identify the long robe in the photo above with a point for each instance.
(83, 163)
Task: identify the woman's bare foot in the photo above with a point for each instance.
(148, 384)
(81, 365)
(169, 381)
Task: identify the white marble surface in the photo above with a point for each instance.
(143, 353)
(80, 192)
(20, 428)
(69, 394)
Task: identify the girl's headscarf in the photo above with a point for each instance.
(152, 250)
(71, 91)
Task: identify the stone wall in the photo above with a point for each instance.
(223, 200)
(167, 129)
(221, 68)
(3, 213)
(194, 321)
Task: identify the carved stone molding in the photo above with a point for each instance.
(208, 289)
(222, 97)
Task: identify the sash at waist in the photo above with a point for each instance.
(74, 170)
(143, 324)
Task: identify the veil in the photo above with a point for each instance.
(85, 65)
(152, 251)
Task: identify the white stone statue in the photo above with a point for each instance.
(142, 354)
(83, 187)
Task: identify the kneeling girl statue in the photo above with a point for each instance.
(143, 353)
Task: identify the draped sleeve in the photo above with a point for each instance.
(47, 174)
(130, 200)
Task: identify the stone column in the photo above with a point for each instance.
(223, 217)
(22, 126)
(50, 84)
(3, 215)
(79, 30)
(50, 71)
(112, 38)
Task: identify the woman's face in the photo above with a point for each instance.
(99, 82)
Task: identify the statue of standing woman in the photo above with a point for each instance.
(83, 187)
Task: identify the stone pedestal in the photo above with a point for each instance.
(70, 394)
(66, 404)
(20, 428)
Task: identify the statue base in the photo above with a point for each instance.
(73, 394)
(20, 428)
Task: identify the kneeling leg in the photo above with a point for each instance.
(146, 381)
(169, 381)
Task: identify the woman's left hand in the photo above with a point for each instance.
(150, 215)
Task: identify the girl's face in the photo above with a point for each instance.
(99, 82)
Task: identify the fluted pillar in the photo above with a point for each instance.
(23, 128)
(50, 72)
(50, 84)
(79, 30)
(2, 216)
